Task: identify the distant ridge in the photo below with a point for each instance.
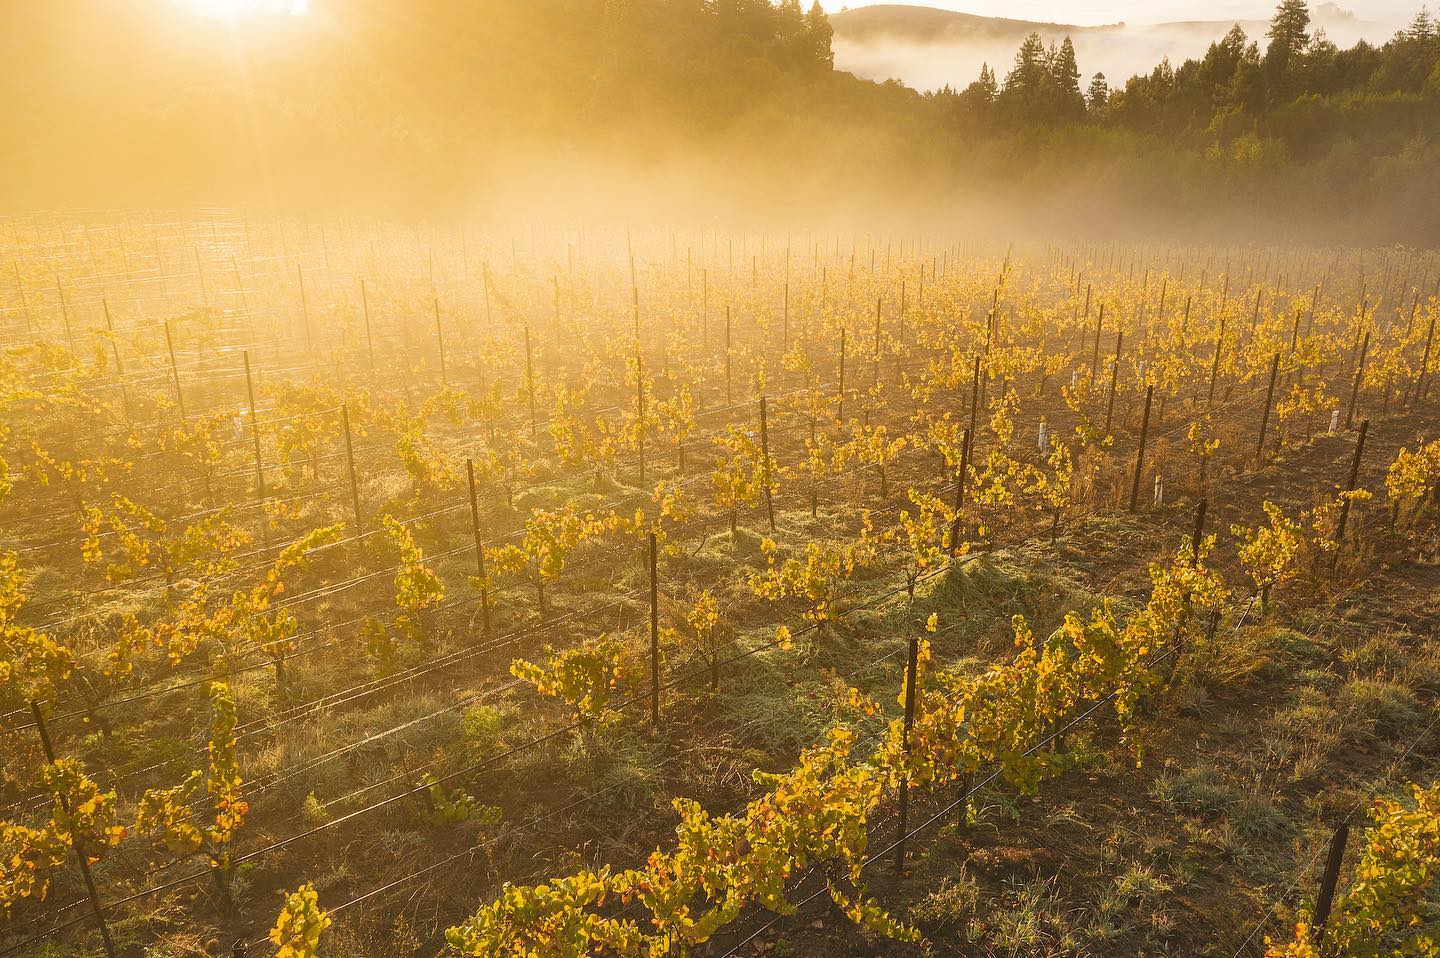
(902, 21)
(916, 24)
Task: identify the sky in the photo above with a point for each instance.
(1145, 11)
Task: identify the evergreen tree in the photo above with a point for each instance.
(987, 82)
(819, 34)
(791, 19)
(1098, 96)
(752, 18)
(1217, 69)
(1031, 70)
(1422, 29)
(790, 33)
(979, 96)
(1288, 36)
(1065, 73)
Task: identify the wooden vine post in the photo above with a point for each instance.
(1099, 325)
(1215, 366)
(765, 463)
(1198, 534)
(175, 371)
(259, 466)
(654, 634)
(119, 364)
(875, 361)
(82, 856)
(1425, 357)
(1265, 417)
(1350, 487)
(728, 357)
(479, 548)
(1359, 378)
(530, 388)
(1114, 381)
(1328, 880)
(639, 401)
(369, 337)
(903, 798)
(350, 464)
(65, 315)
(440, 342)
(960, 493)
(1140, 451)
(305, 313)
(974, 404)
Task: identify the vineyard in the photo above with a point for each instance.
(376, 590)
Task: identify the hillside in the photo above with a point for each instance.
(902, 21)
(658, 110)
(928, 48)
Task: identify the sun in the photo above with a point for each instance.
(236, 9)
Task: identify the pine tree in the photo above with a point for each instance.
(1066, 74)
(790, 20)
(1098, 96)
(819, 34)
(980, 95)
(1030, 67)
(987, 82)
(1423, 29)
(1288, 35)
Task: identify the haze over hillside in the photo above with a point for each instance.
(593, 110)
(928, 47)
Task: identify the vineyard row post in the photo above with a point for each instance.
(960, 493)
(1345, 493)
(1114, 381)
(765, 463)
(1265, 418)
(1359, 378)
(480, 548)
(728, 358)
(530, 388)
(174, 371)
(1140, 451)
(354, 482)
(875, 361)
(65, 314)
(1329, 878)
(903, 798)
(1197, 535)
(440, 343)
(82, 856)
(305, 314)
(654, 634)
(369, 337)
(119, 364)
(1099, 325)
(259, 466)
(639, 397)
(1215, 366)
(974, 403)
(1425, 358)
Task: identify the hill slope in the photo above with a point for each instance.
(901, 21)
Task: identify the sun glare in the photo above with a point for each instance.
(236, 9)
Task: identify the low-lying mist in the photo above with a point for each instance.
(505, 112)
(881, 42)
